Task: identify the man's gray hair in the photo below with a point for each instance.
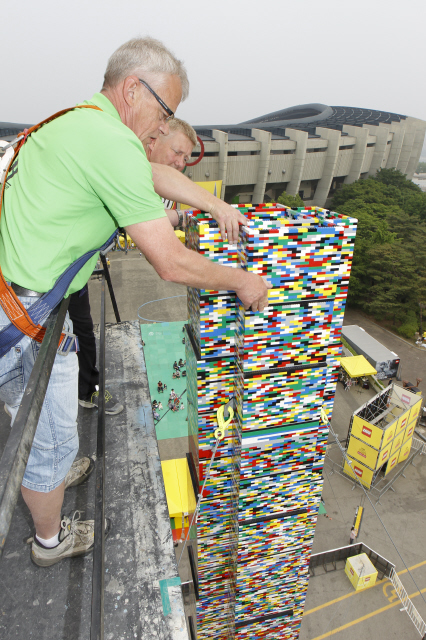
(141, 56)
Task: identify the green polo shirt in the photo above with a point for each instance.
(74, 182)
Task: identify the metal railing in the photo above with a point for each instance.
(18, 446)
(383, 566)
(408, 605)
(419, 445)
(331, 557)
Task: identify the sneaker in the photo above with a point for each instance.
(76, 538)
(79, 472)
(112, 405)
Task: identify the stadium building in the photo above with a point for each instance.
(310, 150)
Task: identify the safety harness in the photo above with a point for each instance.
(26, 321)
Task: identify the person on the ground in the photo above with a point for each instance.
(352, 536)
(81, 176)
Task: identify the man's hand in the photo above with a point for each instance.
(171, 184)
(175, 263)
(254, 292)
(228, 219)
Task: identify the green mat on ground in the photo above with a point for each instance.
(163, 345)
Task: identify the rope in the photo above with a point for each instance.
(219, 435)
(159, 300)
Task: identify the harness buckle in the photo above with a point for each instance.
(67, 343)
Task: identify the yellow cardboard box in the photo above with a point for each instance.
(415, 410)
(360, 471)
(362, 452)
(393, 461)
(361, 571)
(367, 432)
(383, 456)
(408, 433)
(405, 450)
(402, 423)
(397, 443)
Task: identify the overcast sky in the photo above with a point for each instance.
(244, 58)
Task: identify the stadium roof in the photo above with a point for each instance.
(305, 117)
(11, 129)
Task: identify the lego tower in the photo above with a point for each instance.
(257, 519)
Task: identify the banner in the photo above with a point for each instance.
(213, 186)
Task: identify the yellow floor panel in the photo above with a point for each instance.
(179, 490)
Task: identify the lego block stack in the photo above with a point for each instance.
(256, 525)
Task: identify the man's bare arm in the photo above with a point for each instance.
(172, 215)
(175, 263)
(173, 185)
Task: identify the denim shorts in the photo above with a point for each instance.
(55, 442)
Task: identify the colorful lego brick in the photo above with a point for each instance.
(257, 520)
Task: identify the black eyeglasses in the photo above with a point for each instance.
(167, 109)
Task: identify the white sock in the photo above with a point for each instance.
(50, 543)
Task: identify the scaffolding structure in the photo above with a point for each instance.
(380, 434)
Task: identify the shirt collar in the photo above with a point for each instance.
(101, 101)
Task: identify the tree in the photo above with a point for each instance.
(388, 277)
(410, 325)
(390, 293)
(291, 201)
(421, 167)
(395, 178)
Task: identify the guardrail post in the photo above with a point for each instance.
(98, 575)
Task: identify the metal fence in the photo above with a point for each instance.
(407, 604)
(328, 559)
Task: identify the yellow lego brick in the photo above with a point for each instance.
(178, 485)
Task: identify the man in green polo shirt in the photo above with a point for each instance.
(75, 180)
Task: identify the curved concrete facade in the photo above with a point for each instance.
(309, 149)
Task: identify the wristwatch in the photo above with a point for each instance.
(179, 225)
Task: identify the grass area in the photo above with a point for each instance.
(163, 345)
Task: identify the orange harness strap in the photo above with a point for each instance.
(12, 306)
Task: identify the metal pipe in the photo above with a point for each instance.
(194, 572)
(110, 289)
(17, 450)
(98, 574)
